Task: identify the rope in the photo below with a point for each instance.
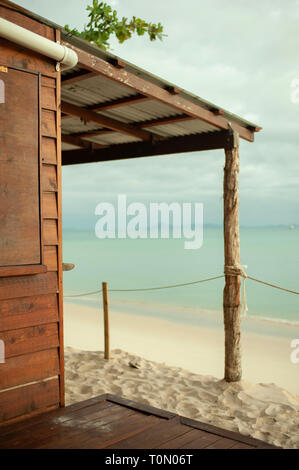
(272, 285)
(84, 294)
(236, 270)
(166, 287)
(148, 288)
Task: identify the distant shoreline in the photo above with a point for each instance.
(206, 226)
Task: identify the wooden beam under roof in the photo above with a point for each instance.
(127, 101)
(92, 116)
(140, 85)
(78, 142)
(174, 145)
(139, 125)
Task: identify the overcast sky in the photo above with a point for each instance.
(240, 55)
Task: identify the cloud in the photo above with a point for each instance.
(241, 56)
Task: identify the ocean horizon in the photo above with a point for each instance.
(270, 253)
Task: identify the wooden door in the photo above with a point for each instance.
(20, 238)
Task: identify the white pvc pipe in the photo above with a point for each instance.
(37, 43)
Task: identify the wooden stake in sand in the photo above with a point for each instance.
(231, 293)
(106, 320)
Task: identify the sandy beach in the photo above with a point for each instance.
(181, 370)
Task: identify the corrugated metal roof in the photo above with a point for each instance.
(182, 128)
(105, 55)
(94, 90)
(141, 112)
(100, 89)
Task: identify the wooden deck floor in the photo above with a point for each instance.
(110, 422)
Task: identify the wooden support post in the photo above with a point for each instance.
(231, 293)
(106, 320)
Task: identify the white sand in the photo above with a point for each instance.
(263, 410)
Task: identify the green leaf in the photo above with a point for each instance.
(104, 22)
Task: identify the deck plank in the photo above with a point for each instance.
(109, 422)
(133, 426)
(74, 432)
(180, 441)
(62, 427)
(152, 438)
(28, 426)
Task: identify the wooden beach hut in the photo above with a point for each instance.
(66, 102)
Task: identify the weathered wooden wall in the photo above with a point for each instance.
(31, 321)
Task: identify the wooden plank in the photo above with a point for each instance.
(48, 150)
(140, 407)
(178, 442)
(23, 286)
(48, 98)
(26, 427)
(152, 437)
(74, 140)
(102, 131)
(222, 432)
(48, 81)
(50, 232)
(92, 116)
(23, 418)
(203, 441)
(50, 258)
(29, 368)
(49, 178)
(47, 428)
(25, 400)
(28, 311)
(98, 423)
(13, 55)
(174, 145)
(223, 443)
(29, 340)
(48, 123)
(50, 206)
(239, 445)
(81, 426)
(139, 125)
(102, 435)
(140, 85)
(24, 270)
(19, 172)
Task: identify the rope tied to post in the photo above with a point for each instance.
(238, 270)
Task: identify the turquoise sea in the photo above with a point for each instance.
(271, 254)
